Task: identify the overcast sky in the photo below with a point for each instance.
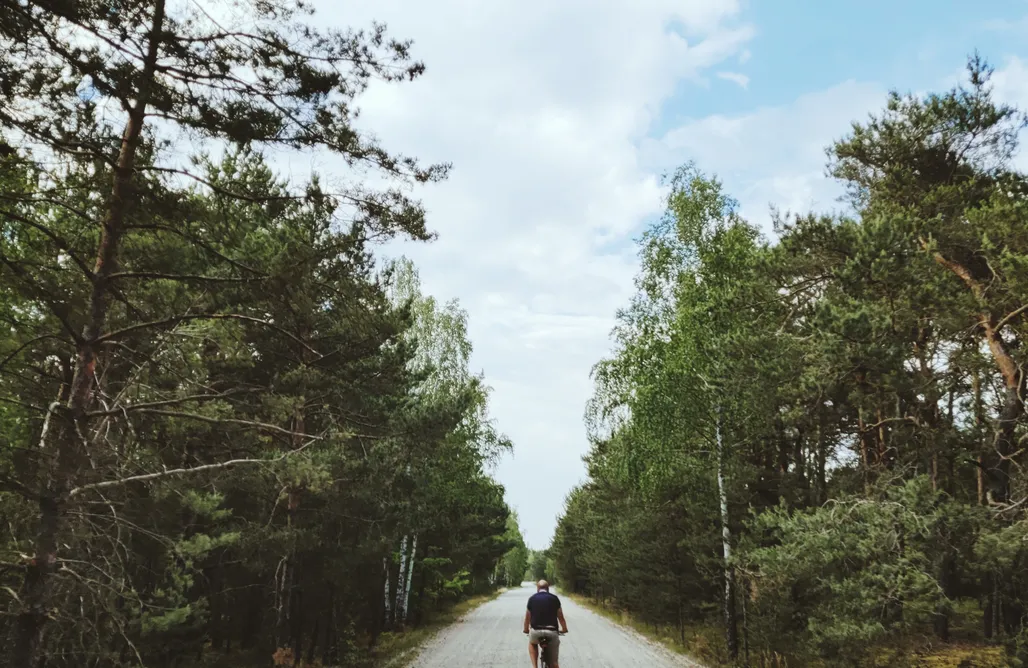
(559, 117)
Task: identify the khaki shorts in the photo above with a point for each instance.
(554, 641)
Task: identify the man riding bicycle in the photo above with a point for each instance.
(541, 622)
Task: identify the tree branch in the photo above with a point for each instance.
(58, 241)
(12, 485)
(54, 405)
(246, 423)
(25, 345)
(154, 275)
(58, 310)
(170, 402)
(174, 320)
(1010, 316)
(909, 418)
(155, 227)
(183, 471)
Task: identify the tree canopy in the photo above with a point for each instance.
(829, 419)
(227, 428)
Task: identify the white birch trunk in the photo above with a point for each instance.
(400, 576)
(410, 578)
(388, 599)
(726, 544)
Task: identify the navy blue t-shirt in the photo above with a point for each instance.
(543, 606)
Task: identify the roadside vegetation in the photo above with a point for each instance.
(231, 432)
(815, 443)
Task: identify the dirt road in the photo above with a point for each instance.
(490, 636)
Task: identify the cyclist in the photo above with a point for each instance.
(541, 619)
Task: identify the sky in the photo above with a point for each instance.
(559, 117)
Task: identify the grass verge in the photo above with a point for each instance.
(701, 643)
(396, 649)
(706, 644)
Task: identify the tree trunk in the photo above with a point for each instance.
(745, 625)
(400, 578)
(288, 611)
(799, 461)
(783, 451)
(387, 605)
(865, 445)
(1004, 444)
(941, 621)
(36, 589)
(409, 579)
(1013, 379)
(296, 624)
(988, 609)
(312, 648)
(680, 596)
(64, 463)
(989, 604)
(883, 457)
(327, 653)
(979, 419)
(731, 632)
(252, 618)
(420, 616)
(821, 494)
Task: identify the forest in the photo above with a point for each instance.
(809, 450)
(232, 432)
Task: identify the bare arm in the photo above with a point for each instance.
(560, 618)
(528, 619)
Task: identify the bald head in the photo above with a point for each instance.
(542, 585)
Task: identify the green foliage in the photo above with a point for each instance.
(221, 420)
(862, 570)
(541, 567)
(865, 377)
(511, 570)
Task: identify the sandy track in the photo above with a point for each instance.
(490, 636)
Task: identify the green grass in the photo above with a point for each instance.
(394, 649)
(399, 648)
(956, 655)
(702, 643)
(706, 644)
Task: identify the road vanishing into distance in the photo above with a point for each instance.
(490, 637)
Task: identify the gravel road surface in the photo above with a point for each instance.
(490, 636)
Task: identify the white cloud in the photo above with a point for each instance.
(742, 80)
(1011, 86)
(771, 156)
(544, 109)
(1017, 26)
(1011, 82)
(541, 107)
